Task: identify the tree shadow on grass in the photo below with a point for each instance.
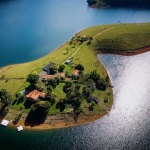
(60, 106)
(14, 102)
(27, 104)
(35, 118)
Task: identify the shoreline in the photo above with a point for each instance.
(125, 53)
(59, 125)
(62, 124)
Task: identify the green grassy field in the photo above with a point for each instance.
(128, 37)
(106, 38)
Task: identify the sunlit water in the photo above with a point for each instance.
(126, 127)
(30, 29)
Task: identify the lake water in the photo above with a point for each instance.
(30, 29)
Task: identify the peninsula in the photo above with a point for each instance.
(69, 86)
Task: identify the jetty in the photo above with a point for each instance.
(20, 128)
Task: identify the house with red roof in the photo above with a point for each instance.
(62, 74)
(75, 73)
(34, 95)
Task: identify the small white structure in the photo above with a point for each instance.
(20, 128)
(5, 122)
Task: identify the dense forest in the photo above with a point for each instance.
(122, 3)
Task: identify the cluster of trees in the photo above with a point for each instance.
(5, 100)
(41, 106)
(33, 79)
(79, 40)
(123, 3)
(77, 90)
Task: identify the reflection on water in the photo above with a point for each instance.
(126, 127)
(130, 113)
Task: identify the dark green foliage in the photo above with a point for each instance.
(90, 84)
(51, 98)
(17, 119)
(94, 76)
(21, 99)
(4, 112)
(33, 79)
(68, 84)
(101, 84)
(61, 68)
(18, 95)
(61, 104)
(79, 67)
(91, 106)
(86, 92)
(124, 3)
(5, 97)
(42, 107)
(49, 88)
(57, 80)
(52, 82)
(53, 69)
(106, 100)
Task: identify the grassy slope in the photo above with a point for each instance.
(128, 37)
(124, 36)
(22, 70)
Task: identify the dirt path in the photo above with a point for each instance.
(86, 42)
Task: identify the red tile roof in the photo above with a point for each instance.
(75, 72)
(34, 95)
(42, 94)
(62, 74)
(49, 76)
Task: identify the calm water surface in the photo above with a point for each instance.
(30, 29)
(126, 127)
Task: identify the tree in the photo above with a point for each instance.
(90, 84)
(33, 79)
(42, 107)
(68, 84)
(51, 98)
(91, 106)
(49, 88)
(94, 76)
(57, 80)
(61, 68)
(53, 69)
(5, 97)
(52, 82)
(101, 84)
(18, 117)
(86, 91)
(5, 112)
(79, 67)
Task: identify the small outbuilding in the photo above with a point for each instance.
(68, 61)
(75, 73)
(46, 68)
(95, 99)
(62, 74)
(4, 122)
(48, 77)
